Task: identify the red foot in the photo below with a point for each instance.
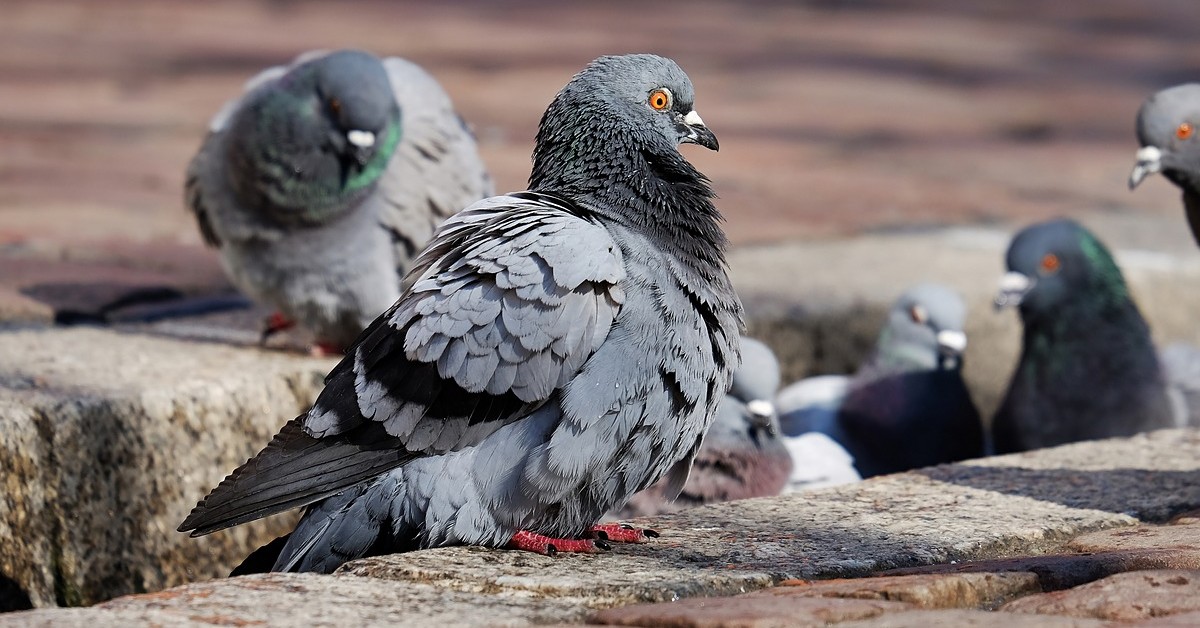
(274, 324)
(623, 533)
(549, 546)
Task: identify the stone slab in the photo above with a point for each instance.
(968, 590)
(901, 520)
(106, 442)
(730, 612)
(1124, 596)
(971, 619)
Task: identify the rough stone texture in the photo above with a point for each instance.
(1125, 596)
(1063, 571)
(746, 612)
(1182, 620)
(970, 590)
(906, 519)
(107, 440)
(304, 600)
(971, 619)
(1183, 537)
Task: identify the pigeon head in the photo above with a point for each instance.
(314, 142)
(754, 385)
(1168, 129)
(630, 111)
(923, 331)
(1058, 265)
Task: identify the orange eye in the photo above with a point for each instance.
(1050, 263)
(335, 105)
(1184, 130)
(660, 99)
(918, 314)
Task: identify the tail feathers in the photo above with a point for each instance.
(350, 525)
(295, 470)
(262, 559)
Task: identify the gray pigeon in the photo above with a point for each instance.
(742, 455)
(555, 351)
(907, 406)
(1088, 367)
(1168, 128)
(319, 184)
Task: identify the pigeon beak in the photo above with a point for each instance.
(362, 145)
(951, 342)
(1148, 161)
(697, 133)
(1013, 287)
(762, 413)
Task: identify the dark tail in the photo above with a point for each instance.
(262, 559)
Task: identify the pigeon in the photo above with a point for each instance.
(1168, 124)
(742, 455)
(319, 184)
(907, 406)
(554, 352)
(1088, 367)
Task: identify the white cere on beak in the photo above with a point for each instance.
(1012, 289)
(693, 119)
(952, 340)
(1147, 161)
(361, 139)
(761, 408)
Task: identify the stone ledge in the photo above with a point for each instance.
(929, 517)
(108, 439)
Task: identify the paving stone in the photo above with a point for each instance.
(1124, 596)
(1182, 620)
(106, 442)
(746, 612)
(1183, 536)
(970, 590)
(304, 600)
(1063, 571)
(970, 619)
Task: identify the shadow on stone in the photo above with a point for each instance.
(1124, 490)
(12, 596)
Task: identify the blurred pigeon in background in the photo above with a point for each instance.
(1088, 367)
(742, 454)
(554, 352)
(907, 406)
(1168, 128)
(320, 183)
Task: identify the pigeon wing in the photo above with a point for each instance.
(514, 295)
(436, 170)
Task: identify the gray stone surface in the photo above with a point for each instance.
(983, 509)
(107, 440)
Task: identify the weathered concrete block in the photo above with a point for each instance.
(956, 512)
(107, 440)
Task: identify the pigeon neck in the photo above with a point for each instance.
(625, 180)
(288, 172)
(1091, 334)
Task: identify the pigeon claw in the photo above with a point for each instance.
(274, 324)
(550, 546)
(623, 533)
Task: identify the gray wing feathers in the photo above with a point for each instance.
(501, 311)
(437, 169)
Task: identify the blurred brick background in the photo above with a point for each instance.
(834, 117)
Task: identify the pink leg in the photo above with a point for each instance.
(548, 546)
(623, 533)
